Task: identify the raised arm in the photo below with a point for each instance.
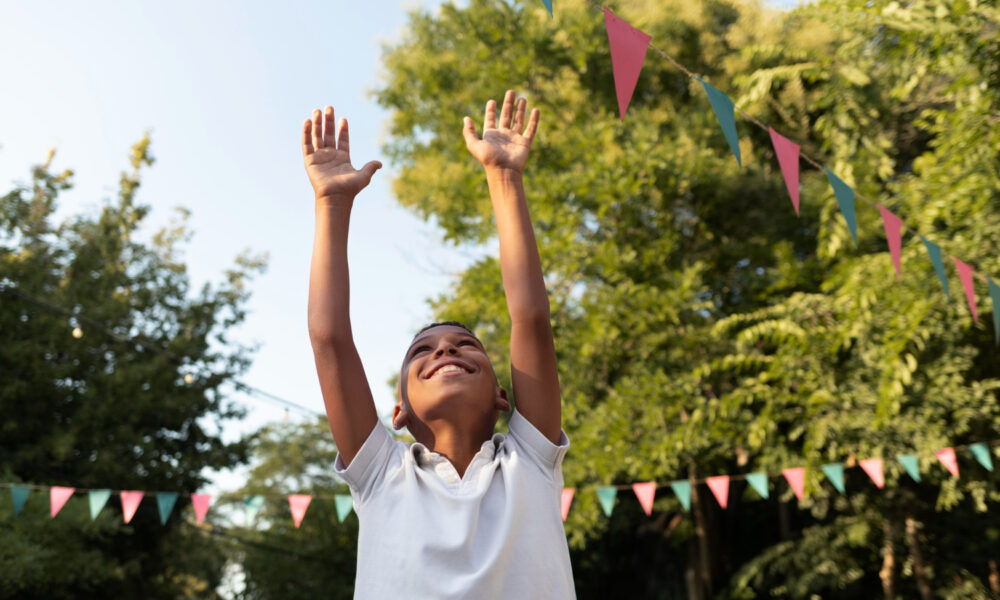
(348, 399)
(503, 152)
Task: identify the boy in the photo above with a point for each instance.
(460, 513)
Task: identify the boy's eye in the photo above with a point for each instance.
(469, 342)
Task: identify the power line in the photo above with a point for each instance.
(142, 342)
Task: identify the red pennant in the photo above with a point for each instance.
(893, 225)
(873, 466)
(645, 492)
(947, 458)
(796, 477)
(298, 503)
(567, 499)
(788, 159)
(130, 503)
(628, 51)
(965, 274)
(720, 488)
(58, 497)
(200, 503)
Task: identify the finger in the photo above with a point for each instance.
(519, 115)
(469, 132)
(307, 143)
(343, 136)
(329, 135)
(532, 124)
(317, 129)
(490, 120)
(508, 110)
(370, 168)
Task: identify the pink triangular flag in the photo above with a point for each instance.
(720, 488)
(796, 477)
(298, 503)
(965, 274)
(892, 225)
(788, 160)
(567, 499)
(130, 503)
(628, 51)
(873, 466)
(58, 497)
(200, 503)
(947, 458)
(645, 492)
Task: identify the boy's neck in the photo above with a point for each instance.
(459, 444)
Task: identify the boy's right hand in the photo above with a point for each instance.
(328, 160)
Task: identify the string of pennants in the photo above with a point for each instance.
(795, 476)
(628, 47)
(644, 491)
(165, 501)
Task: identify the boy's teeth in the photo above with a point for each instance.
(448, 369)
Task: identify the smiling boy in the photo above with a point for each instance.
(462, 512)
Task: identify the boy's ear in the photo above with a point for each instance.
(502, 403)
(400, 416)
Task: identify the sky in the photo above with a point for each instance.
(223, 88)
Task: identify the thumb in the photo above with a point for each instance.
(370, 168)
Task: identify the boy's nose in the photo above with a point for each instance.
(449, 347)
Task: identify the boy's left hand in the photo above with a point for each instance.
(505, 145)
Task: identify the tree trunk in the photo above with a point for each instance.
(701, 529)
(994, 577)
(784, 521)
(919, 572)
(692, 570)
(888, 572)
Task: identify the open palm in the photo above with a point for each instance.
(328, 158)
(505, 144)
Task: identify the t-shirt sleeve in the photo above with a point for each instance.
(369, 465)
(547, 455)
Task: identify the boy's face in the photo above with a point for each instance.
(446, 372)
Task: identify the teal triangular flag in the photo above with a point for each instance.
(758, 481)
(845, 198)
(934, 251)
(982, 453)
(724, 112)
(683, 490)
(606, 494)
(345, 504)
(18, 494)
(835, 473)
(98, 498)
(548, 5)
(995, 297)
(910, 463)
(251, 506)
(165, 502)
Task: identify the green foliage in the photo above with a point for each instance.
(318, 559)
(102, 411)
(701, 326)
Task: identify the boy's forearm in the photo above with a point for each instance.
(520, 265)
(329, 284)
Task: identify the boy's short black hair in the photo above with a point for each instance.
(452, 323)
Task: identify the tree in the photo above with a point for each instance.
(703, 328)
(131, 401)
(278, 560)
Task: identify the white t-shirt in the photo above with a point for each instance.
(425, 533)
